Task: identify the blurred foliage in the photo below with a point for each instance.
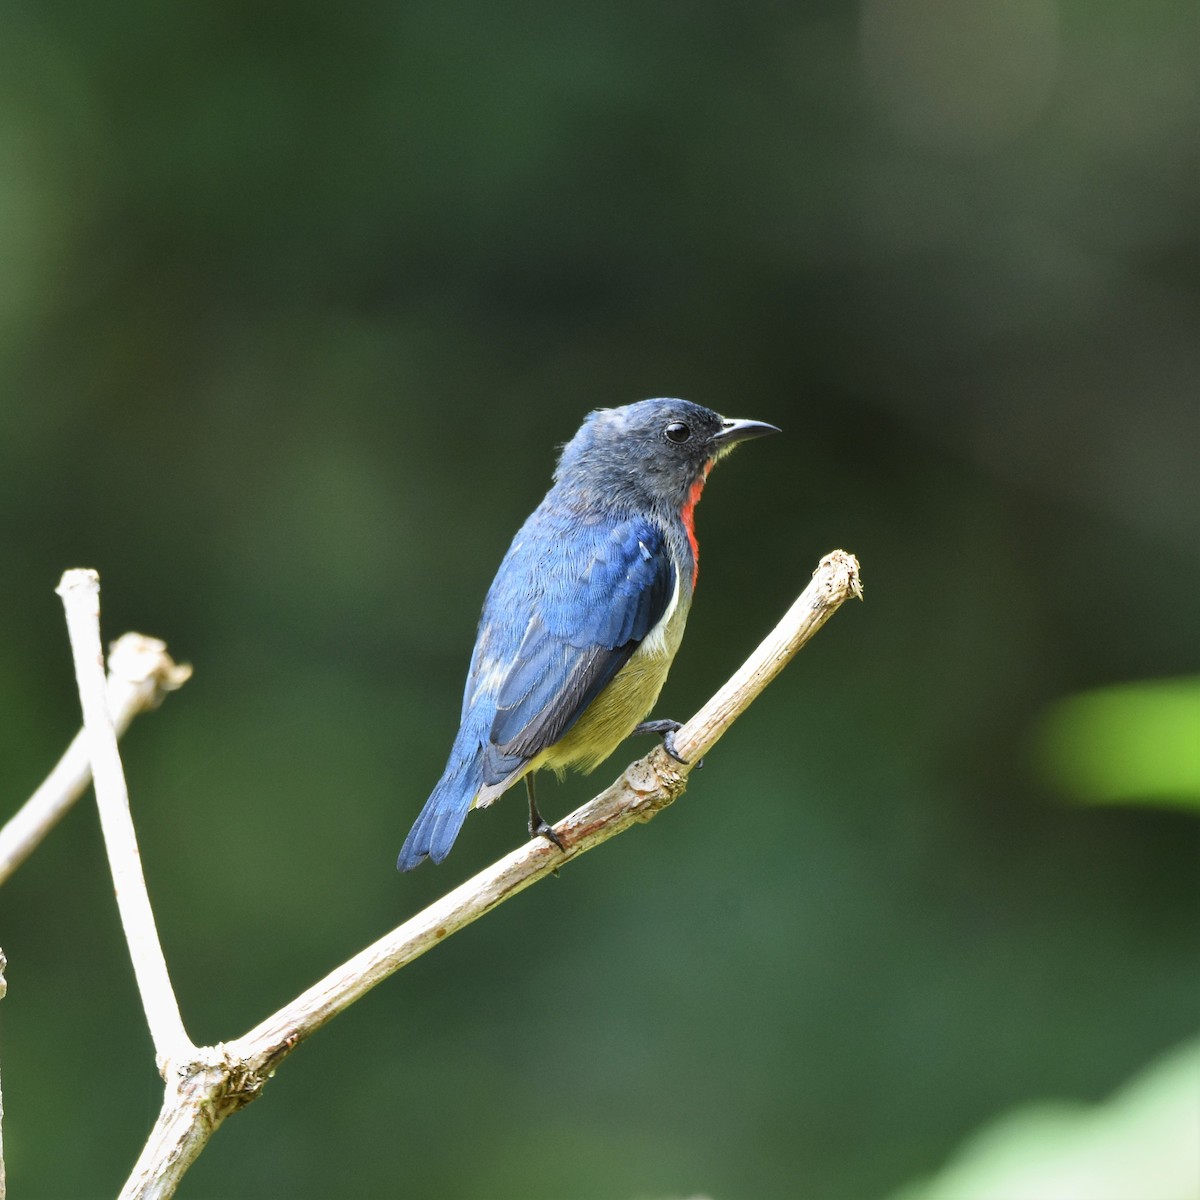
(1133, 742)
(294, 306)
(1144, 1143)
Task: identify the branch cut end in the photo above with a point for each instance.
(78, 580)
(137, 659)
(844, 576)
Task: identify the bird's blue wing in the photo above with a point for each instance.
(603, 590)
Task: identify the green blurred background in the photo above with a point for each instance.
(295, 304)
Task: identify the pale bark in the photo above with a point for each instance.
(140, 674)
(80, 592)
(206, 1084)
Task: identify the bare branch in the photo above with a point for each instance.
(646, 786)
(223, 1078)
(197, 1099)
(80, 592)
(835, 581)
(140, 674)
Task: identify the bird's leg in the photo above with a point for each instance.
(538, 827)
(667, 729)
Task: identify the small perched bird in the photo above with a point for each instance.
(585, 614)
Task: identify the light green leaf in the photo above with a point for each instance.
(1133, 742)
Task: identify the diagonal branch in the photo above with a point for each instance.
(645, 787)
(140, 674)
(80, 592)
(221, 1079)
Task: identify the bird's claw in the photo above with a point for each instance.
(544, 829)
(669, 746)
(667, 729)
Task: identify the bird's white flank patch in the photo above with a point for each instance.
(664, 638)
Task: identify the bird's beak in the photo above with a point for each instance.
(733, 432)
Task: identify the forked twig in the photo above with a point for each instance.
(204, 1086)
(140, 674)
(80, 592)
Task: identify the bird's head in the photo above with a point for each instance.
(655, 450)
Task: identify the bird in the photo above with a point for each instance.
(585, 614)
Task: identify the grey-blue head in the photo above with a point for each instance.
(654, 450)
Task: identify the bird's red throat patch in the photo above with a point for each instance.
(688, 513)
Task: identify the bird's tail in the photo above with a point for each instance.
(434, 831)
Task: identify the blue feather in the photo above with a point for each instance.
(572, 601)
(587, 609)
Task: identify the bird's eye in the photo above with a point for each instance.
(677, 432)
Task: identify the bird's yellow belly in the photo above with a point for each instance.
(626, 701)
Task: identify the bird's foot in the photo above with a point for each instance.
(667, 729)
(541, 828)
(538, 825)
